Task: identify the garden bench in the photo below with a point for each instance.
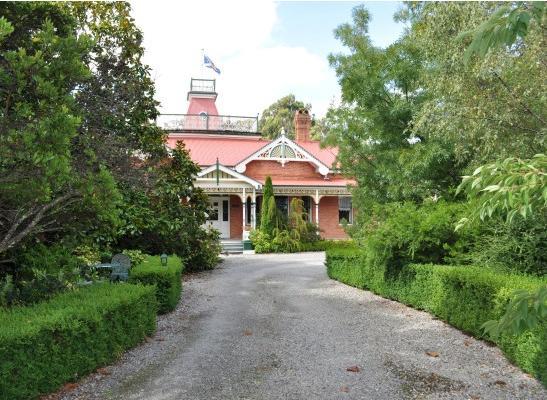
(119, 265)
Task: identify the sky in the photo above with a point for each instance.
(264, 49)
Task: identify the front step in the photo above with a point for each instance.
(232, 246)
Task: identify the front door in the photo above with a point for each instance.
(219, 215)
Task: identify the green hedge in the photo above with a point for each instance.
(60, 340)
(167, 280)
(464, 296)
(324, 245)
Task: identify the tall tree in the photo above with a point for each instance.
(382, 89)
(490, 107)
(117, 102)
(279, 116)
(41, 67)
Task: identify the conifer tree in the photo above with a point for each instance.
(267, 215)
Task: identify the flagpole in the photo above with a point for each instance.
(202, 63)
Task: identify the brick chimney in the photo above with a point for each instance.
(302, 125)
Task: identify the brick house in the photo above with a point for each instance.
(236, 160)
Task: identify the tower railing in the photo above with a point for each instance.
(204, 122)
(202, 85)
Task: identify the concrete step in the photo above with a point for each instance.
(232, 246)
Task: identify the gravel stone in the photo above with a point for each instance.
(276, 327)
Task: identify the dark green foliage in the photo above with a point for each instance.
(42, 272)
(69, 336)
(464, 296)
(167, 280)
(520, 246)
(156, 221)
(205, 252)
(401, 233)
(267, 214)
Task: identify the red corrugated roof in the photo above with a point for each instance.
(230, 150)
(326, 155)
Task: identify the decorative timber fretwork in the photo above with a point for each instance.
(222, 190)
(283, 150)
(213, 175)
(298, 191)
(208, 176)
(280, 190)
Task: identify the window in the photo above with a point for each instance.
(213, 212)
(225, 210)
(248, 211)
(345, 212)
(282, 204)
(307, 206)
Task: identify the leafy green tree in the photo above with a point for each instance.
(168, 217)
(511, 187)
(382, 90)
(267, 213)
(77, 110)
(491, 107)
(43, 188)
(280, 115)
(505, 26)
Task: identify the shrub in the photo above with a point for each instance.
(285, 241)
(62, 339)
(262, 241)
(520, 246)
(464, 296)
(205, 252)
(167, 280)
(136, 256)
(420, 234)
(42, 271)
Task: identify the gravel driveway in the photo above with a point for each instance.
(275, 327)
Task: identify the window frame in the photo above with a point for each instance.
(345, 209)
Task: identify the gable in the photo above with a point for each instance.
(260, 169)
(283, 150)
(216, 174)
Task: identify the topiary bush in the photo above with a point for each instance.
(59, 340)
(167, 280)
(464, 296)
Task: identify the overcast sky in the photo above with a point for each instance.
(265, 49)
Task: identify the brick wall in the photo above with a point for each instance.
(292, 170)
(329, 226)
(236, 217)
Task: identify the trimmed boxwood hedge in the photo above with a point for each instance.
(45, 345)
(324, 245)
(167, 279)
(463, 296)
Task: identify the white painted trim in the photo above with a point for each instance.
(236, 175)
(320, 167)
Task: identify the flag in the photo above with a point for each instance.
(209, 64)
